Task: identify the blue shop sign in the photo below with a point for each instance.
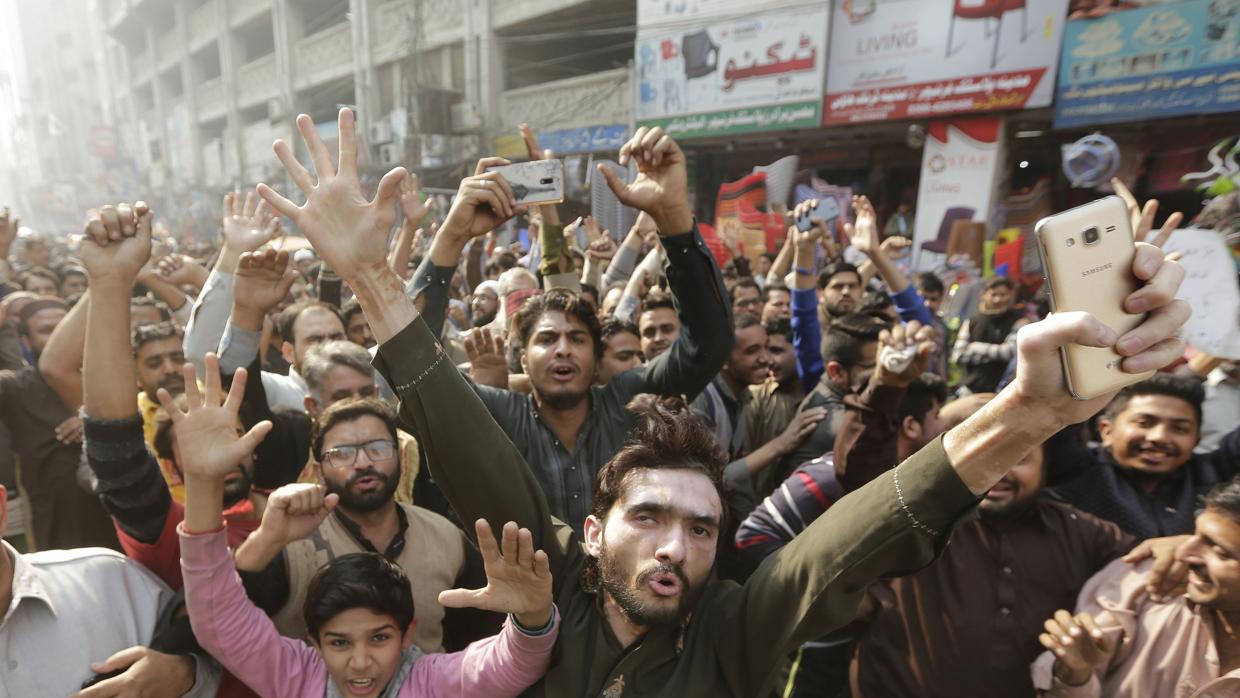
(1164, 60)
(591, 139)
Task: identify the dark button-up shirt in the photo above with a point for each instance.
(1089, 478)
(685, 368)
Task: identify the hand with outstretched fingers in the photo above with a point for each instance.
(208, 442)
(348, 231)
(518, 578)
(1079, 645)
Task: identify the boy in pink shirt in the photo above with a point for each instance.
(359, 609)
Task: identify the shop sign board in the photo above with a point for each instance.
(717, 74)
(960, 169)
(909, 59)
(1160, 61)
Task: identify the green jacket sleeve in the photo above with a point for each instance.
(894, 525)
(470, 457)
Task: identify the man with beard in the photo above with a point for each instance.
(658, 505)
(621, 349)
(839, 286)
(484, 305)
(1123, 642)
(658, 323)
(1003, 575)
(355, 327)
(987, 340)
(1144, 476)
(568, 427)
(354, 448)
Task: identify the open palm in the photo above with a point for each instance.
(349, 232)
(518, 577)
(248, 223)
(206, 432)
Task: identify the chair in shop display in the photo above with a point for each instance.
(941, 242)
(987, 10)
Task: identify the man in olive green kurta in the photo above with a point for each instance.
(733, 638)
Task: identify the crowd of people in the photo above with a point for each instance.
(403, 459)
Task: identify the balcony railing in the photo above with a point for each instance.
(257, 81)
(608, 93)
(324, 56)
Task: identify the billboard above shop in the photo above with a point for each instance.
(718, 72)
(1165, 60)
(910, 59)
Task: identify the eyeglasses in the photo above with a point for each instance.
(344, 456)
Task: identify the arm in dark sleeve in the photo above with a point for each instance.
(131, 486)
(431, 282)
(1226, 458)
(1067, 454)
(268, 588)
(911, 306)
(807, 337)
(705, 320)
(331, 288)
(280, 457)
(472, 460)
(10, 349)
(865, 443)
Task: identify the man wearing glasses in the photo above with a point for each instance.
(354, 449)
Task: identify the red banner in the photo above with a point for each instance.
(996, 92)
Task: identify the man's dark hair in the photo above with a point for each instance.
(746, 320)
(744, 282)
(351, 308)
(42, 272)
(928, 281)
(667, 437)
(771, 288)
(1187, 389)
(996, 281)
(144, 301)
(348, 410)
(590, 291)
(613, 326)
(921, 395)
(562, 300)
(780, 326)
(833, 270)
(358, 580)
(288, 318)
(658, 298)
(153, 332)
(874, 301)
(847, 337)
(1224, 498)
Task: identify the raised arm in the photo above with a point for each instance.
(61, 361)
(661, 189)
(806, 328)
(473, 462)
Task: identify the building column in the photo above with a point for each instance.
(228, 64)
(157, 92)
(365, 87)
(190, 78)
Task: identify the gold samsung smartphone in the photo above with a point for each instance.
(535, 182)
(1087, 253)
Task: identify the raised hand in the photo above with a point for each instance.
(248, 223)
(903, 354)
(294, 511)
(263, 281)
(181, 270)
(482, 203)
(518, 578)
(487, 365)
(349, 232)
(602, 249)
(1078, 644)
(9, 225)
(1143, 216)
(116, 243)
(662, 185)
(411, 203)
(207, 433)
(144, 672)
(863, 233)
(1168, 576)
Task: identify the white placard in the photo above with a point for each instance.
(1210, 289)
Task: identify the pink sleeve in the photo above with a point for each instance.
(501, 666)
(235, 632)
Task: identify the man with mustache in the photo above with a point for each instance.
(1123, 642)
(656, 624)
(1145, 476)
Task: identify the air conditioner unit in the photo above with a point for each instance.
(380, 132)
(389, 155)
(466, 117)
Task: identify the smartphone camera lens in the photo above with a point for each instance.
(1091, 236)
